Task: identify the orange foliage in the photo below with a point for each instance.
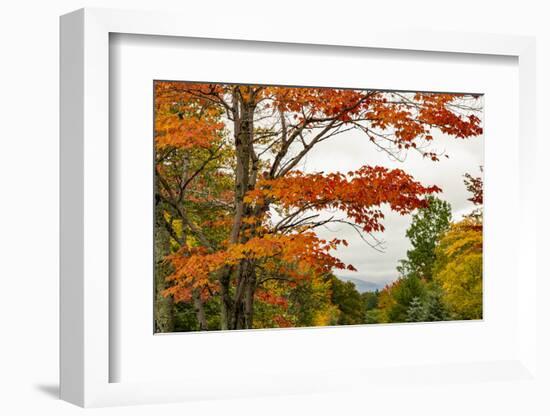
(358, 193)
(271, 298)
(183, 119)
(185, 133)
(296, 255)
(475, 186)
(407, 117)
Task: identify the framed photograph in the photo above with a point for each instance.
(286, 213)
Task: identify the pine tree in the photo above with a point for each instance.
(416, 311)
(435, 309)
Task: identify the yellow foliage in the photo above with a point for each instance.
(385, 303)
(326, 316)
(459, 268)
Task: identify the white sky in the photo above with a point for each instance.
(352, 150)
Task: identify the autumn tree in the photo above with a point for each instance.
(193, 196)
(474, 184)
(228, 170)
(459, 259)
(459, 269)
(307, 302)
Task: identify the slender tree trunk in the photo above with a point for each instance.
(244, 295)
(226, 301)
(163, 306)
(249, 300)
(199, 310)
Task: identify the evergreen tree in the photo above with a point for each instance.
(435, 309)
(416, 311)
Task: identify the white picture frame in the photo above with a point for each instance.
(85, 355)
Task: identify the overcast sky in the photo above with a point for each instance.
(351, 151)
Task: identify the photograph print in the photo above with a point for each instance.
(289, 206)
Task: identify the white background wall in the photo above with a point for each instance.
(29, 56)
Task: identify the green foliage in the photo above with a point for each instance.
(415, 297)
(370, 305)
(370, 300)
(308, 300)
(372, 316)
(185, 317)
(442, 275)
(427, 226)
(403, 292)
(349, 302)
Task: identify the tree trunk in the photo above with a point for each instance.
(235, 312)
(244, 296)
(163, 306)
(199, 310)
(249, 300)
